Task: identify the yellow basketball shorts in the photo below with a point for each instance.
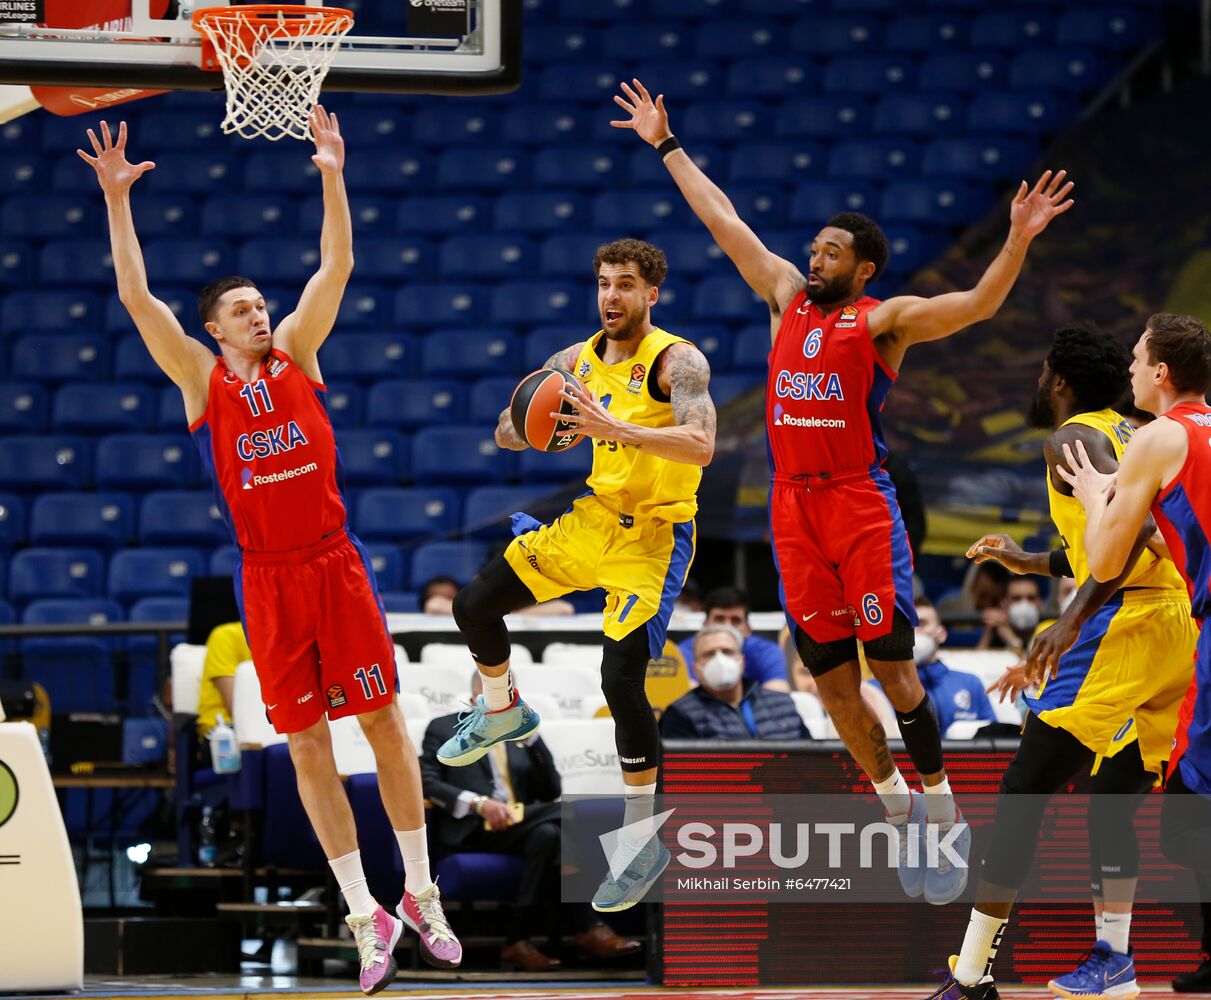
(642, 566)
(1129, 669)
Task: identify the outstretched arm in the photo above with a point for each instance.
(180, 357)
(304, 330)
(777, 281)
(506, 433)
(909, 319)
(684, 375)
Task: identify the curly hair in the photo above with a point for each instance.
(1182, 343)
(651, 261)
(869, 241)
(1093, 363)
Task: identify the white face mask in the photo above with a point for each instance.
(924, 648)
(1023, 615)
(721, 671)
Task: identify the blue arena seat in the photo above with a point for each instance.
(386, 171)
(12, 522)
(760, 205)
(690, 79)
(75, 670)
(752, 348)
(540, 212)
(407, 403)
(425, 306)
(487, 257)
(977, 158)
(472, 353)
(24, 407)
(776, 77)
(579, 81)
(443, 215)
(152, 572)
(836, 35)
(912, 247)
(552, 41)
(570, 255)
(726, 389)
(460, 560)
(1108, 27)
(459, 454)
(31, 311)
(726, 298)
(181, 301)
(100, 520)
(390, 565)
(133, 363)
(144, 649)
(1011, 30)
(927, 34)
(725, 121)
(185, 128)
(377, 456)
(779, 163)
(543, 342)
(286, 261)
(964, 72)
(1020, 112)
(363, 305)
(76, 262)
(738, 38)
(17, 263)
(172, 409)
(930, 203)
(872, 74)
(386, 514)
(372, 216)
(1069, 71)
(692, 252)
(491, 395)
(817, 201)
(146, 461)
(235, 216)
(20, 133)
(160, 215)
(369, 356)
(62, 571)
(659, 40)
(714, 340)
(24, 172)
(182, 517)
(86, 408)
(555, 467)
(400, 602)
(579, 167)
(495, 168)
(919, 115)
(823, 117)
(875, 159)
(204, 170)
(38, 462)
(523, 303)
(190, 261)
(396, 259)
(639, 210)
(50, 216)
(222, 563)
(547, 124)
(447, 121)
(487, 510)
(280, 172)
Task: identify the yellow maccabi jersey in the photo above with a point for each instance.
(1069, 516)
(638, 484)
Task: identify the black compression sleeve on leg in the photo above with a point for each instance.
(1117, 790)
(624, 668)
(922, 736)
(821, 657)
(481, 606)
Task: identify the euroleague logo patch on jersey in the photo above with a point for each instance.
(638, 373)
(336, 696)
(585, 370)
(848, 318)
(276, 366)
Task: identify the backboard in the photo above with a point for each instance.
(396, 46)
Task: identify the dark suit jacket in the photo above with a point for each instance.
(531, 770)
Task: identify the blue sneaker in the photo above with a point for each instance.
(945, 882)
(1104, 974)
(911, 868)
(952, 989)
(479, 730)
(632, 885)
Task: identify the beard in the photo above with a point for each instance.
(833, 290)
(1041, 413)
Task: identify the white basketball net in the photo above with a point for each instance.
(273, 67)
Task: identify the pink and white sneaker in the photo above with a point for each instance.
(376, 937)
(423, 913)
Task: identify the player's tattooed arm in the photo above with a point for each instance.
(506, 434)
(687, 374)
(565, 360)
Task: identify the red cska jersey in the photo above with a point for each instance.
(826, 387)
(269, 448)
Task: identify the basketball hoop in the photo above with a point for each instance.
(274, 60)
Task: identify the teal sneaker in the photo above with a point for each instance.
(633, 884)
(479, 730)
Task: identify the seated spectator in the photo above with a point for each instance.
(505, 803)
(763, 660)
(957, 696)
(1011, 624)
(437, 598)
(226, 649)
(725, 706)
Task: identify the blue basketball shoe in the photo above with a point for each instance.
(479, 730)
(911, 860)
(632, 885)
(952, 989)
(1103, 975)
(945, 882)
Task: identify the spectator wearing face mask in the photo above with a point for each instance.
(957, 696)
(1012, 625)
(763, 659)
(724, 705)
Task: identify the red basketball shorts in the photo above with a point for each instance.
(842, 554)
(317, 631)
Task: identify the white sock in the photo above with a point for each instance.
(1097, 925)
(352, 880)
(980, 945)
(640, 806)
(498, 691)
(939, 803)
(894, 794)
(1116, 929)
(414, 849)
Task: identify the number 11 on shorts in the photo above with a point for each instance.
(364, 676)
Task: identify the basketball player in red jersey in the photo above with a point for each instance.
(310, 607)
(1166, 470)
(839, 540)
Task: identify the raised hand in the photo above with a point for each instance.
(648, 118)
(114, 172)
(329, 146)
(1002, 549)
(1030, 212)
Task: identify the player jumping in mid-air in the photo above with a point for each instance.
(310, 607)
(839, 540)
(652, 425)
(1116, 665)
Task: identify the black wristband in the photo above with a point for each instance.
(1058, 564)
(668, 146)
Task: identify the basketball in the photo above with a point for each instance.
(536, 397)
